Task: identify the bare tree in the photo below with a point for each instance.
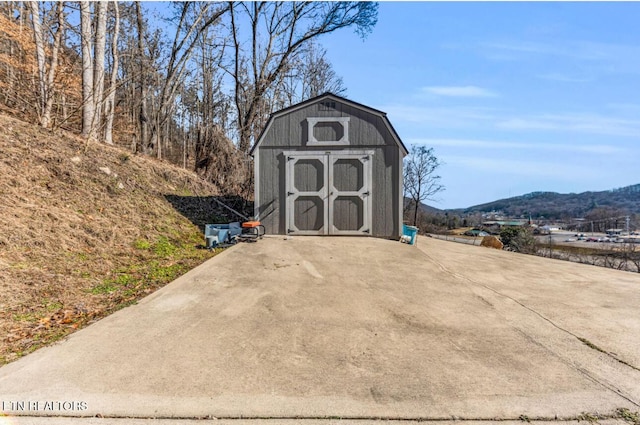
(34, 8)
(98, 67)
(88, 105)
(93, 42)
(277, 32)
(18, 57)
(420, 181)
(46, 78)
(194, 19)
(214, 73)
(215, 156)
(57, 45)
(308, 75)
(109, 104)
(141, 145)
(318, 75)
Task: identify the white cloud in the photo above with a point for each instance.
(607, 58)
(441, 117)
(494, 118)
(459, 91)
(565, 78)
(521, 47)
(581, 123)
(632, 109)
(522, 168)
(493, 144)
(601, 149)
(585, 50)
(529, 123)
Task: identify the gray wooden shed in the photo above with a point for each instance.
(329, 166)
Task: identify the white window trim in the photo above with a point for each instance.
(311, 123)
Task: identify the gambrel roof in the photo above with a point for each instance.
(337, 98)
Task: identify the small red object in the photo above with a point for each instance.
(247, 224)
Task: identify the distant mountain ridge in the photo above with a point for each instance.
(558, 205)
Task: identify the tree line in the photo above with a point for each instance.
(190, 82)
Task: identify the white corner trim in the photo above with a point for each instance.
(256, 184)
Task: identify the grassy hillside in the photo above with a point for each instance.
(86, 229)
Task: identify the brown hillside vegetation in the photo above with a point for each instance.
(86, 229)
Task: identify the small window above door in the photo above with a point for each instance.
(327, 131)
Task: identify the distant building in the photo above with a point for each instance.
(614, 232)
(543, 230)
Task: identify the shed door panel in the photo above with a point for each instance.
(328, 194)
(349, 190)
(308, 214)
(306, 195)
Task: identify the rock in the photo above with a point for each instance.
(105, 170)
(491, 242)
(76, 159)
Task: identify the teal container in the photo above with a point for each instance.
(411, 232)
(215, 234)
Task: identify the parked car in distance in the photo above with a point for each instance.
(570, 240)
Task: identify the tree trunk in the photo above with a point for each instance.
(111, 97)
(98, 67)
(50, 89)
(142, 113)
(34, 8)
(88, 105)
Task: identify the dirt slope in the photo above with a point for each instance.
(85, 229)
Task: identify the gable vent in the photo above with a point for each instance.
(327, 105)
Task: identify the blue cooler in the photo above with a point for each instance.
(411, 232)
(216, 234)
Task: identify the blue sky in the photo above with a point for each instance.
(513, 97)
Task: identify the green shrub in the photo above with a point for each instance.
(518, 239)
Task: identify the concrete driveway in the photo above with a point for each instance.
(320, 328)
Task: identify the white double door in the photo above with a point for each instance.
(328, 193)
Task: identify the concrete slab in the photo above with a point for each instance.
(33, 420)
(352, 328)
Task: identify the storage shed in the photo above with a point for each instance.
(329, 166)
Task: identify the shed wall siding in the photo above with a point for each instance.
(385, 202)
(272, 197)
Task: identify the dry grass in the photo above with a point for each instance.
(85, 230)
